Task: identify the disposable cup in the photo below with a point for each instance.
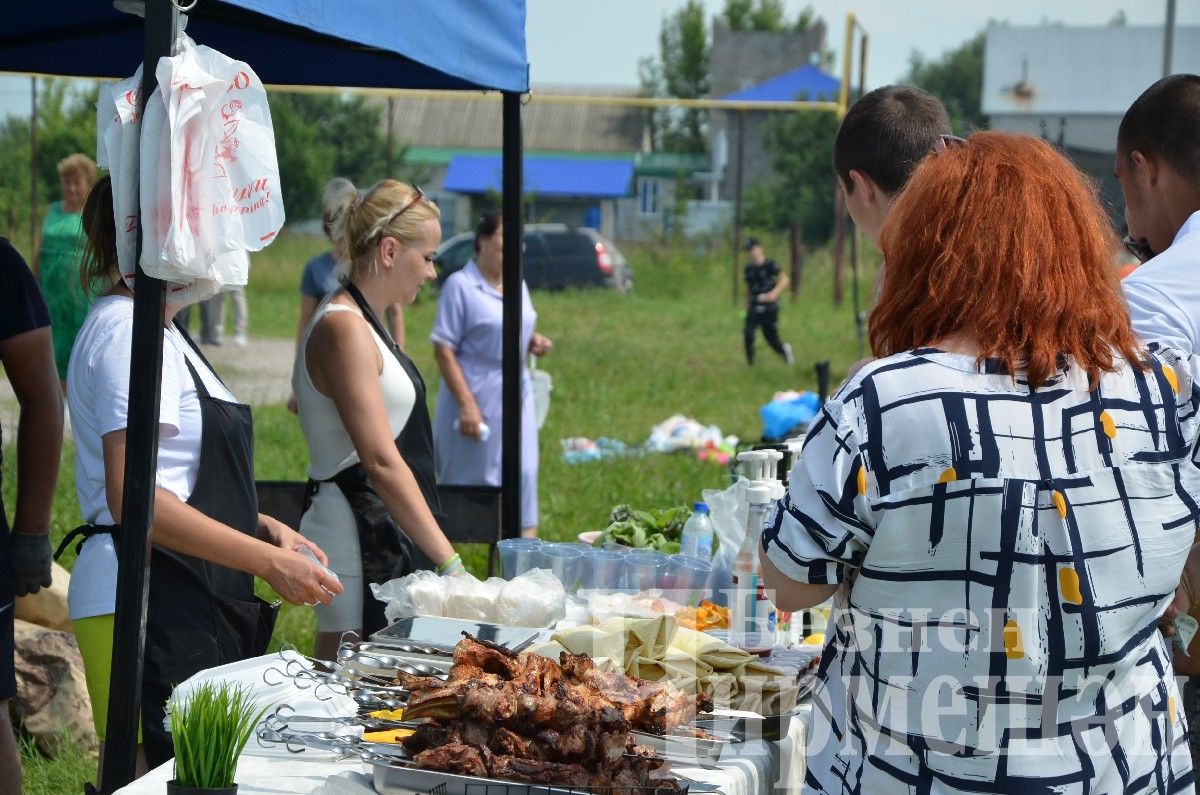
(602, 570)
(685, 578)
(563, 560)
(644, 569)
(518, 555)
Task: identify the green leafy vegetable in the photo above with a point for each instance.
(657, 529)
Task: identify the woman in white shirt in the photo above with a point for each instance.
(210, 540)
(363, 412)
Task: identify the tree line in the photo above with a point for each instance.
(317, 136)
(800, 145)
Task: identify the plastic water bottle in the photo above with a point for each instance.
(697, 538)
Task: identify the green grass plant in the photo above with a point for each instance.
(209, 729)
(620, 365)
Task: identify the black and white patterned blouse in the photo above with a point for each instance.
(1006, 554)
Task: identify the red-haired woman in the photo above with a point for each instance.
(1004, 495)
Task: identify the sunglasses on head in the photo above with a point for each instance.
(418, 195)
(1140, 249)
(945, 142)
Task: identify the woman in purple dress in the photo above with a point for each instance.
(468, 343)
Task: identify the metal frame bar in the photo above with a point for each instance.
(511, 174)
(141, 464)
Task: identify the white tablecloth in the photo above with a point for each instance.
(750, 768)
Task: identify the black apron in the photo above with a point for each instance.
(199, 614)
(386, 550)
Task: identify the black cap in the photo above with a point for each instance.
(750, 243)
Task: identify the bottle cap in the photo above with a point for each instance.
(700, 507)
(758, 493)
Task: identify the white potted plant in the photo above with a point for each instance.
(209, 729)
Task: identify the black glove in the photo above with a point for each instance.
(30, 558)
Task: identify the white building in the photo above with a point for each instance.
(1072, 85)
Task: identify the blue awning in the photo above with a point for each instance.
(806, 83)
(544, 176)
(451, 44)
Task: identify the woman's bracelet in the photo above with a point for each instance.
(453, 566)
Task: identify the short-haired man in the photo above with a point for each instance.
(879, 143)
(1158, 166)
(764, 284)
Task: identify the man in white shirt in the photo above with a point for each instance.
(1158, 166)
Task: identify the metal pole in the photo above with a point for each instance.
(390, 154)
(737, 200)
(510, 467)
(854, 234)
(1169, 38)
(33, 168)
(141, 462)
(839, 245)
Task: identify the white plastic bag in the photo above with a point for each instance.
(729, 512)
(214, 188)
(535, 599)
(118, 133)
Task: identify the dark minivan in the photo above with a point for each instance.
(557, 256)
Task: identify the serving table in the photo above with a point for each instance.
(748, 768)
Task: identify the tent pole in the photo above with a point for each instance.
(141, 463)
(510, 468)
(33, 168)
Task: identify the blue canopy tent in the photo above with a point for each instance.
(806, 83)
(544, 176)
(449, 44)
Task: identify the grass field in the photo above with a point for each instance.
(620, 365)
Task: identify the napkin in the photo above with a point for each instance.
(693, 643)
(643, 637)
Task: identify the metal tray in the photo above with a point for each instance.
(393, 780)
(445, 633)
(772, 728)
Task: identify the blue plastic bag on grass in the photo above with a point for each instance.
(781, 416)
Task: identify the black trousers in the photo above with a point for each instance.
(766, 317)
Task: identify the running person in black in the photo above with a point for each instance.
(764, 284)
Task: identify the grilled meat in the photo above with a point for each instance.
(487, 656)
(430, 735)
(538, 772)
(526, 718)
(413, 683)
(508, 743)
(467, 760)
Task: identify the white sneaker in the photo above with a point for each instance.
(240, 341)
(787, 354)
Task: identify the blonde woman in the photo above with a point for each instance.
(362, 409)
(56, 262)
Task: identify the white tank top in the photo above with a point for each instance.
(330, 449)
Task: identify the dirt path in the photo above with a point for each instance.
(259, 374)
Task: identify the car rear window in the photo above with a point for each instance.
(568, 244)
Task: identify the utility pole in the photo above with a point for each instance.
(33, 167)
(1169, 38)
(390, 155)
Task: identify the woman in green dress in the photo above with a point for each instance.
(57, 260)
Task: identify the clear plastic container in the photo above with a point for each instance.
(563, 560)
(644, 569)
(685, 578)
(602, 570)
(517, 555)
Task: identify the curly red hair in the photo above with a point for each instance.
(1003, 241)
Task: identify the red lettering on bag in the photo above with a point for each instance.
(240, 80)
(130, 223)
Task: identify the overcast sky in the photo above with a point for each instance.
(599, 43)
(588, 43)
